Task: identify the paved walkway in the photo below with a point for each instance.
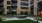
(31, 18)
(15, 18)
(40, 21)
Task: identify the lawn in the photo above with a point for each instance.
(19, 21)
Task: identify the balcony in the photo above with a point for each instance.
(11, 7)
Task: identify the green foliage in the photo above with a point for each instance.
(1, 9)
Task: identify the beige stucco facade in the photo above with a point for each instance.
(19, 6)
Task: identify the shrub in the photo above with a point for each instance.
(0, 19)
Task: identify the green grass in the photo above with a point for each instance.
(18, 21)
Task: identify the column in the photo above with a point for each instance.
(40, 0)
(35, 7)
(18, 6)
(29, 6)
(5, 6)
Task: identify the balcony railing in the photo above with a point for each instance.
(24, 3)
(14, 4)
(24, 0)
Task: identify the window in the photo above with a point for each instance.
(1, 0)
(24, 13)
(32, 1)
(11, 7)
(24, 0)
(1, 9)
(24, 4)
(14, 7)
(24, 8)
(32, 8)
(40, 6)
(14, 4)
(37, 0)
(11, 12)
(8, 7)
(14, 1)
(39, 12)
(8, 2)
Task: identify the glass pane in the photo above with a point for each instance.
(32, 1)
(1, 9)
(8, 2)
(40, 6)
(14, 1)
(14, 7)
(32, 9)
(1, 0)
(24, 4)
(24, 13)
(11, 7)
(8, 7)
(12, 12)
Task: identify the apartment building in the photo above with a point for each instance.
(23, 7)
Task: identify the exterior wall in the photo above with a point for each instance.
(19, 6)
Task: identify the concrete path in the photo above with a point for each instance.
(31, 18)
(15, 18)
(40, 21)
